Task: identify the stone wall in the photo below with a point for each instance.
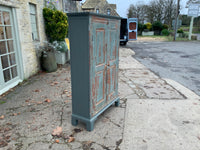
(30, 49)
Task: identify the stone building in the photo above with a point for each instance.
(99, 6)
(22, 35)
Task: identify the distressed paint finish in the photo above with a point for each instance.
(94, 65)
(99, 36)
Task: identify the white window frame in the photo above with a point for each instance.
(108, 11)
(97, 10)
(34, 25)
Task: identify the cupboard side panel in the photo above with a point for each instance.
(79, 43)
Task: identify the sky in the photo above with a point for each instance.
(123, 5)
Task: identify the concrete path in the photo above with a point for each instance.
(166, 118)
(152, 114)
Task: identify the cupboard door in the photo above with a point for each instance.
(112, 61)
(98, 48)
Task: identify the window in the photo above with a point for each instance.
(108, 11)
(33, 16)
(97, 11)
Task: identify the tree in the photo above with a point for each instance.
(185, 20)
(157, 10)
(137, 11)
(130, 13)
(170, 11)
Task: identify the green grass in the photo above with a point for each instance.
(2, 102)
(171, 38)
(194, 29)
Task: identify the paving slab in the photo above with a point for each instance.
(161, 125)
(32, 110)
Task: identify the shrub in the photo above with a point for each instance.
(165, 26)
(144, 26)
(180, 31)
(165, 32)
(140, 27)
(157, 26)
(56, 24)
(149, 25)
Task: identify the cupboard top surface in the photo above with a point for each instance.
(92, 14)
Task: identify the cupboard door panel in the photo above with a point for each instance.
(98, 51)
(112, 61)
(111, 82)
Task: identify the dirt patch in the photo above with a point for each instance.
(150, 39)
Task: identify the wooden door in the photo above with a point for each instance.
(113, 60)
(98, 47)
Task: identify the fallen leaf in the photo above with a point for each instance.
(48, 100)
(67, 101)
(65, 136)
(7, 129)
(54, 83)
(71, 139)
(2, 117)
(14, 114)
(77, 130)
(39, 103)
(57, 141)
(3, 143)
(144, 141)
(195, 103)
(198, 137)
(57, 131)
(37, 90)
(186, 122)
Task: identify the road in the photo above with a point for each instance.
(179, 61)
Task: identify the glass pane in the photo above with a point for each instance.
(6, 18)
(8, 32)
(6, 74)
(14, 71)
(3, 47)
(33, 19)
(1, 33)
(32, 9)
(1, 17)
(12, 59)
(10, 46)
(4, 61)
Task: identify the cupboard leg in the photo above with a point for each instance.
(90, 126)
(117, 103)
(74, 121)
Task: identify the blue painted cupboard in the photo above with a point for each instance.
(94, 42)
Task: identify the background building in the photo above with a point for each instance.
(99, 6)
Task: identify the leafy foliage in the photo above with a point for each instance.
(144, 26)
(140, 27)
(149, 25)
(165, 26)
(56, 24)
(157, 26)
(180, 31)
(165, 32)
